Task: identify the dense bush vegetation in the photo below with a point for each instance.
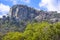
(36, 31)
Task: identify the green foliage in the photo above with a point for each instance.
(13, 36)
(42, 31)
(36, 31)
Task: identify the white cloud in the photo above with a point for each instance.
(4, 9)
(50, 5)
(26, 1)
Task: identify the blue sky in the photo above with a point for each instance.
(48, 5)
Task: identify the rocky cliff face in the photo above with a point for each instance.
(23, 12)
